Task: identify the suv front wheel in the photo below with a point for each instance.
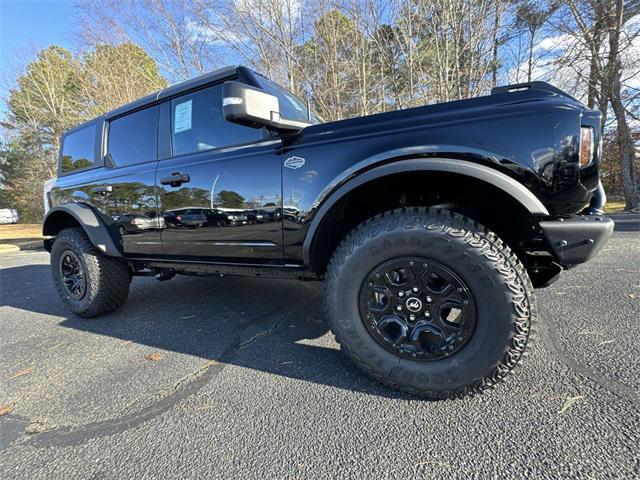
(88, 282)
(429, 302)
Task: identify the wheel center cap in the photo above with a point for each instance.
(414, 304)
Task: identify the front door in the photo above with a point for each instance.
(220, 191)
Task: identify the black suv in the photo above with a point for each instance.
(430, 226)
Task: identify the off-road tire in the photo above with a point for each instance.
(107, 278)
(502, 291)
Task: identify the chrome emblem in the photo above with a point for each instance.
(294, 162)
(414, 304)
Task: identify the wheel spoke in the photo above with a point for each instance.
(380, 301)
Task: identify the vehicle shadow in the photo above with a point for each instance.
(273, 326)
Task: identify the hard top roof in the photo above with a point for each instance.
(210, 77)
(176, 89)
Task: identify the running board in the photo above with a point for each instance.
(276, 271)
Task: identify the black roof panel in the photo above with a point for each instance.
(175, 89)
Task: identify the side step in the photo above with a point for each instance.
(276, 271)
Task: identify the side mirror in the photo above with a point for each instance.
(254, 108)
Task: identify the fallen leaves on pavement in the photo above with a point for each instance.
(153, 357)
(4, 410)
(434, 462)
(21, 373)
(570, 402)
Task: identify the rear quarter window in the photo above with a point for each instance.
(78, 149)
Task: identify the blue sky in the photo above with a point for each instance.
(27, 26)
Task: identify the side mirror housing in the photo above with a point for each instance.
(254, 108)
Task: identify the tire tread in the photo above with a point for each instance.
(476, 236)
(110, 277)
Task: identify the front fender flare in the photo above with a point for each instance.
(445, 165)
(89, 220)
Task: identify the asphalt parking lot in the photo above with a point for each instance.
(239, 378)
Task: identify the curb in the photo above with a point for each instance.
(626, 222)
(14, 245)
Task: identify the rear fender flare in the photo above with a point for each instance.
(89, 220)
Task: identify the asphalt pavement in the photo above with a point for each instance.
(240, 378)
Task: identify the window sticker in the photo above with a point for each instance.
(182, 117)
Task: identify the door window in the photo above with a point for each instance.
(198, 124)
(134, 137)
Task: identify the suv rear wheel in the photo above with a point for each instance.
(88, 282)
(429, 302)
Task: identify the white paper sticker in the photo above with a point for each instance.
(182, 117)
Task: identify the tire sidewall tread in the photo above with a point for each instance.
(493, 273)
(107, 278)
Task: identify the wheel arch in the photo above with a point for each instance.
(464, 172)
(80, 215)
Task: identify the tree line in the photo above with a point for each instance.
(56, 92)
(349, 57)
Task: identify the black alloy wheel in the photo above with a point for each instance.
(73, 275)
(417, 308)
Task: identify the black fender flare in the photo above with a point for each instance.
(89, 220)
(444, 165)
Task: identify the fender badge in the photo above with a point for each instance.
(294, 162)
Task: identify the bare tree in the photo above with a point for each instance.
(605, 36)
(531, 16)
(626, 146)
(115, 75)
(166, 29)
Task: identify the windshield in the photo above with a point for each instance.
(291, 107)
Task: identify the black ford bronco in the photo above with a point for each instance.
(430, 226)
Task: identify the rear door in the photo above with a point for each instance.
(128, 187)
(218, 170)
(110, 166)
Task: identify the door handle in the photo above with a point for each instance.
(102, 189)
(176, 179)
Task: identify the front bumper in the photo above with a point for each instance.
(578, 238)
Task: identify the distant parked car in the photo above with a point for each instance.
(222, 218)
(8, 215)
(256, 216)
(185, 218)
(132, 223)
